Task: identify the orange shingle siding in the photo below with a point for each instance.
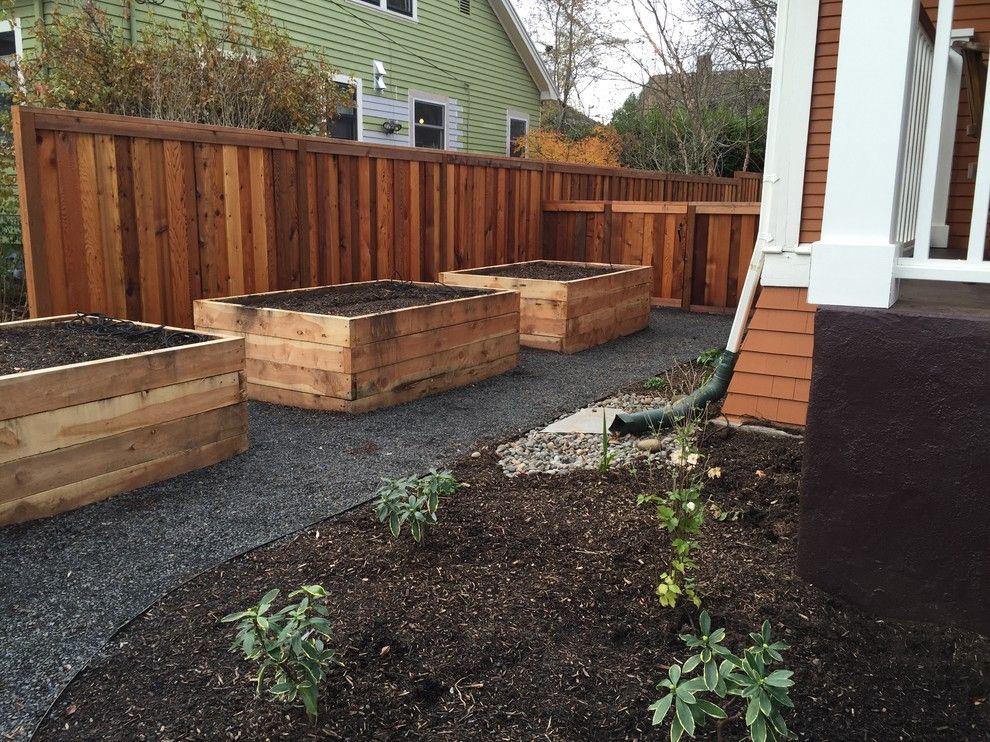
(820, 126)
(773, 374)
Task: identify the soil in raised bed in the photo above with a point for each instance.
(528, 614)
(354, 300)
(53, 344)
(546, 271)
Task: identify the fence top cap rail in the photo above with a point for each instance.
(92, 122)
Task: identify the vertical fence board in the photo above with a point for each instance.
(137, 218)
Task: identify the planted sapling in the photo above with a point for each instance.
(749, 680)
(291, 646)
(414, 501)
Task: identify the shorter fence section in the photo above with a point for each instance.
(699, 251)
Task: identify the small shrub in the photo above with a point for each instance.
(655, 383)
(413, 501)
(749, 679)
(231, 64)
(709, 357)
(290, 646)
(681, 513)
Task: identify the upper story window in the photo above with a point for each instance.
(347, 123)
(429, 124)
(517, 126)
(402, 7)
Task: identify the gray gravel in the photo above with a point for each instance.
(67, 582)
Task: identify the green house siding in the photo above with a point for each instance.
(464, 59)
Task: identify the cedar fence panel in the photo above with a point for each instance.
(137, 218)
(700, 252)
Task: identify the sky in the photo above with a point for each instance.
(622, 77)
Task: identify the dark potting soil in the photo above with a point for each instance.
(357, 299)
(546, 271)
(529, 613)
(59, 343)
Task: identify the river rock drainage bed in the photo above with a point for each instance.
(548, 451)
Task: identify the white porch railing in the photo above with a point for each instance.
(925, 180)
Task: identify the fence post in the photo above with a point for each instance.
(302, 216)
(607, 231)
(690, 219)
(32, 222)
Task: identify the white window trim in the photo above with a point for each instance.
(14, 26)
(358, 95)
(509, 116)
(424, 97)
(382, 7)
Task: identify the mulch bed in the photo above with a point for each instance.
(354, 300)
(545, 271)
(60, 343)
(530, 614)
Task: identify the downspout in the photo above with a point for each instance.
(716, 387)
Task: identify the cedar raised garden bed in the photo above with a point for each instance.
(360, 346)
(74, 431)
(569, 306)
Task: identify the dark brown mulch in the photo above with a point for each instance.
(60, 343)
(546, 271)
(530, 614)
(353, 300)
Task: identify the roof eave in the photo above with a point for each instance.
(523, 44)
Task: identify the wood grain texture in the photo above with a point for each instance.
(138, 218)
(75, 434)
(356, 364)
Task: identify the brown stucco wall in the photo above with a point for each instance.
(895, 497)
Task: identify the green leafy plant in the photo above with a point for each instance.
(709, 357)
(413, 501)
(228, 63)
(655, 383)
(291, 645)
(749, 680)
(681, 513)
(607, 457)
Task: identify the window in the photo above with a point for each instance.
(428, 124)
(10, 48)
(347, 123)
(517, 126)
(402, 7)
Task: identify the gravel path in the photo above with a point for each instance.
(67, 582)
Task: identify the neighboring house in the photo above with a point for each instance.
(873, 322)
(446, 74)
(743, 90)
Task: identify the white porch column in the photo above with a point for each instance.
(853, 262)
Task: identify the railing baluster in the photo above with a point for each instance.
(981, 195)
(933, 139)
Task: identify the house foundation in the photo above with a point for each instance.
(894, 513)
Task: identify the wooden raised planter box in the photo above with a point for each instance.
(78, 433)
(571, 315)
(359, 363)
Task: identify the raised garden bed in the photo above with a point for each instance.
(360, 346)
(86, 415)
(568, 306)
(530, 613)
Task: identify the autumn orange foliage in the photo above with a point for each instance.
(602, 147)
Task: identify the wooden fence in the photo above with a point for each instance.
(137, 218)
(699, 251)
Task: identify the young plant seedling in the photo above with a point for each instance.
(655, 383)
(290, 646)
(748, 681)
(413, 501)
(605, 462)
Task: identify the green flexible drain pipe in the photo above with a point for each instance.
(712, 391)
(716, 387)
